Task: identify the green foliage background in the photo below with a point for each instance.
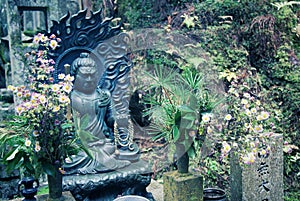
(240, 36)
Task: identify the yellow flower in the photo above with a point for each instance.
(27, 142)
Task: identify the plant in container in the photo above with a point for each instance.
(40, 136)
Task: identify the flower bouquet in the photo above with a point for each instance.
(40, 136)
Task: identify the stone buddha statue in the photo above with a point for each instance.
(94, 104)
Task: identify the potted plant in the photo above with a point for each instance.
(180, 109)
(40, 136)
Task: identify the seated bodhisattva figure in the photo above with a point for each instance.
(94, 104)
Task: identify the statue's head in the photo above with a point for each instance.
(84, 69)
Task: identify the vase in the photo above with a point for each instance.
(215, 194)
(55, 186)
(28, 187)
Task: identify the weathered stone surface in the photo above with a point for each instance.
(261, 181)
(14, 36)
(8, 183)
(183, 187)
(131, 180)
(66, 196)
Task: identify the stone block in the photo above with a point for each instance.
(261, 181)
(183, 187)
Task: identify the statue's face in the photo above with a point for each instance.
(86, 79)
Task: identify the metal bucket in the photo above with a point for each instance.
(214, 194)
(131, 198)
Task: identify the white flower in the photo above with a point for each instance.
(263, 152)
(206, 118)
(259, 118)
(67, 88)
(61, 76)
(19, 109)
(253, 110)
(36, 39)
(265, 115)
(249, 158)
(53, 44)
(228, 117)
(248, 112)
(226, 148)
(55, 87)
(258, 128)
(56, 108)
(27, 142)
(258, 102)
(247, 125)
(37, 146)
(64, 99)
(244, 101)
(69, 78)
(247, 95)
(35, 133)
(42, 99)
(209, 130)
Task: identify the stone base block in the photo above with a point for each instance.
(131, 180)
(183, 187)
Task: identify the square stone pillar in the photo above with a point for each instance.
(261, 181)
(183, 187)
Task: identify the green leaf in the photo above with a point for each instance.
(48, 168)
(191, 152)
(13, 154)
(176, 134)
(190, 116)
(186, 109)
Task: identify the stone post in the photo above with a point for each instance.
(261, 181)
(183, 187)
(14, 38)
